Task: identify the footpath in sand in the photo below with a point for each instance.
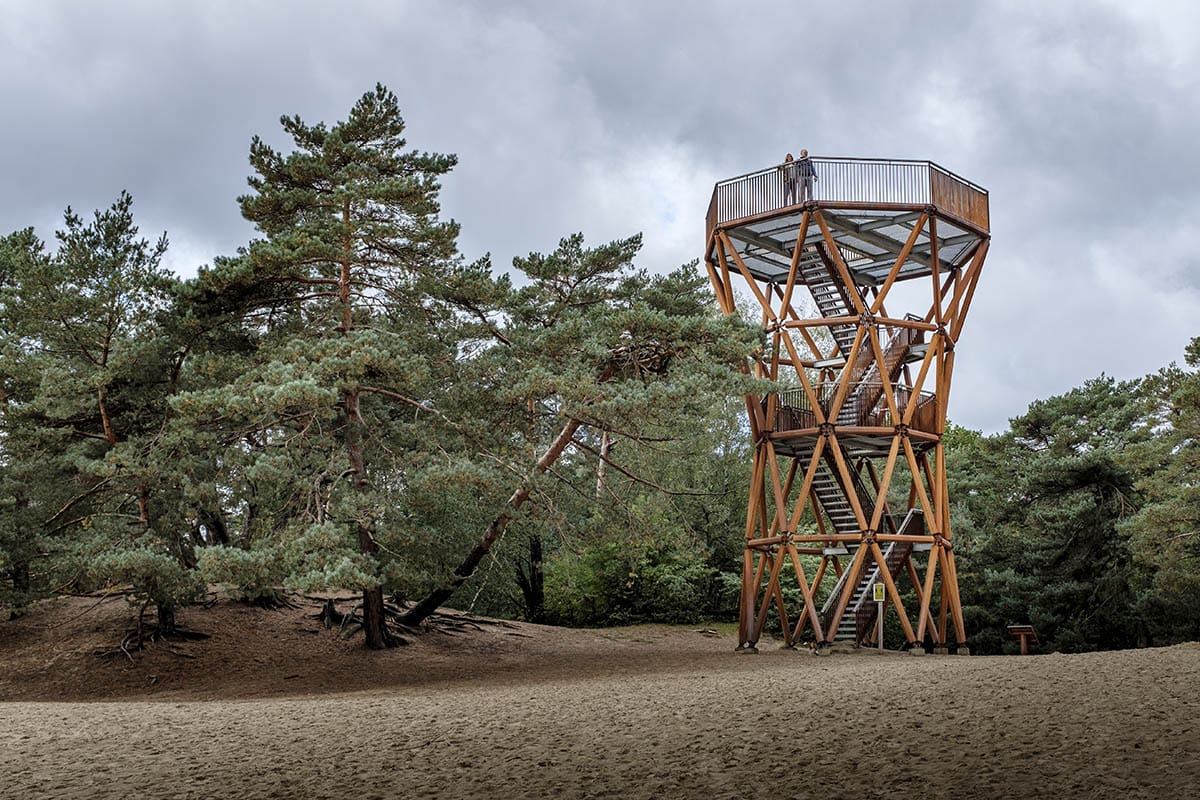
(528, 711)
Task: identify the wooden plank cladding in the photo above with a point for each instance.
(958, 198)
(878, 182)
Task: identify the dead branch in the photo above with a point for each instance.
(641, 480)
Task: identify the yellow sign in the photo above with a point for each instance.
(879, 589)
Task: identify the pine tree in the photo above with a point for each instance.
(1037, 515)
(337, 294)
(20, 534)
(591, 343)
(88, 369)
(1164, 534)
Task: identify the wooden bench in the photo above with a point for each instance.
(1024, 634)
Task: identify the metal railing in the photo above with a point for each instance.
(862, 407)
(850, 180)
(895, 348)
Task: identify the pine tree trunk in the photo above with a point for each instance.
(533, 584)
(20, 578)
(165, 625)
(374, 623)
(495, 530)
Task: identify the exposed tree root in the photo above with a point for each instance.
(272, 602)
(136, 639)
(447, 621)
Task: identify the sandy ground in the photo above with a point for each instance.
(539, 712)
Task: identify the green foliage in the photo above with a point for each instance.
(89, 364)
(250, 575)
(1164, 533)
(615, 583)
(157, 578)
(1037, 514)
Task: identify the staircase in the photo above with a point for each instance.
(860, 611)
(829, 295)
(859, 405)
(833, 501)
(833, 301)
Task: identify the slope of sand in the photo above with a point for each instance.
(528, 711)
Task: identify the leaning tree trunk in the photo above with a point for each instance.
(495, 530)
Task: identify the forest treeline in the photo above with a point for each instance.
(347, 402)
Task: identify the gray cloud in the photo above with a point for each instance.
(1080, 118)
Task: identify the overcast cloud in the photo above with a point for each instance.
(1081, 119)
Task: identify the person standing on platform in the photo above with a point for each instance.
(791, 179)
(808, 174)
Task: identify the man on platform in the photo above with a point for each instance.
(808, 174)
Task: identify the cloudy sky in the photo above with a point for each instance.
(1081, 119)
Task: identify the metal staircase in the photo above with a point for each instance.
(829, 295)
(832, 301)
(860, 612)
(861, 403)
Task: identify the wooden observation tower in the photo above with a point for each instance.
(863, 293)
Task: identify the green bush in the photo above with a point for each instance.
(619, 584)
(253, 576)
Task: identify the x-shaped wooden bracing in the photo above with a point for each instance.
(770, 526)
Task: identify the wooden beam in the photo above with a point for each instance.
(961, 316)
(963, 278)
(809, 391)
(885, 378)
(750, 281)
(730, 301)
(805, 493)
(884, 483)
(926, 597)
(772, 584)
(749, 595)
(796, 254)
(914, 470)
(844, 271)
(848, 484)
(856, 565)
(810, 606)
(935, 274)
(893, 594)
(775, 486)
(886, 286)
(844, 381)
(960, 629)
(718, 289)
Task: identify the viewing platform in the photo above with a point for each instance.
(871, 206)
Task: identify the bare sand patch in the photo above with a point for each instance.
(635, 712)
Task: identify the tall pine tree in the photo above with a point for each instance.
(89, 366)
(338, 293)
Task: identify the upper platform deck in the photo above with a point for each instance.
(871, 206)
